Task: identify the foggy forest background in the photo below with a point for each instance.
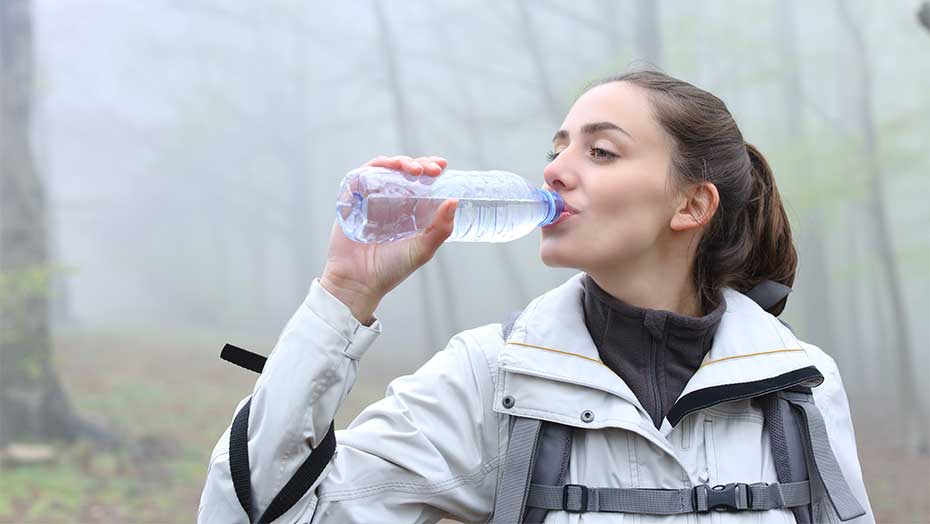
(168, 173)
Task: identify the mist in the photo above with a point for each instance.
(190, 154)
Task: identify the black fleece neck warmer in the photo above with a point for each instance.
(654, 351)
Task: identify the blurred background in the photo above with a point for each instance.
(168, 171)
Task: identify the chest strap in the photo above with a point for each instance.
(575, 498)
(517, 493)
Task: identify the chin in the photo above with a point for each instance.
(554, 255)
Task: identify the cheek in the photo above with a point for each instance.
(629, 223)
(618, 223)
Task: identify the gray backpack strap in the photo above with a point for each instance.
(826, 477)
(787, 448)
(768, 293)
(553, 450)
(518, 463)
(736, 496)
(799, 445)
(553, 456)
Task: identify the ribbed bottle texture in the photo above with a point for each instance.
(376, 204)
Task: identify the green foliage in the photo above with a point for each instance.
(22, 285)
(20, 292)
(60, 489)
(18, 285)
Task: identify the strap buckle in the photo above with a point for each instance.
(724, 497)
(584, 498)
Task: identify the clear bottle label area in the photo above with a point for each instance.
(476, 219)
(493, 206)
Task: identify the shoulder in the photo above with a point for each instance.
(481, 346)
(830, 394)
(819, 358)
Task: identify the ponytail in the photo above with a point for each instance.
(773, 256)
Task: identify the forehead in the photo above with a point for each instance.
(620, 103)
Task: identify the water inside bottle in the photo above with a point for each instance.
(393, 217)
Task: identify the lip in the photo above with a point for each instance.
(566, 214)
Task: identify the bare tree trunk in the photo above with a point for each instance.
(473, 128)
(531, 40)
(300, 160)
(33, 406)
(648, 39)
(614, 42)
(915, 417)
(818, 293)
(786, 41)
(818, 304)
(857, 369)
(410, 144)
(923, 15)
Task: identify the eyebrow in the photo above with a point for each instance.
(592, 128)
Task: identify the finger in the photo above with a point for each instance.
(396, 161)
(440, 160)
(383, 161)
(436, 233)
(413, 167)
(430, 167)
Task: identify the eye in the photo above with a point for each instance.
(601, 153)
(551, 155)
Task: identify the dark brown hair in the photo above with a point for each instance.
(748, 240)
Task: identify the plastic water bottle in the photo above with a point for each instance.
(376, 204)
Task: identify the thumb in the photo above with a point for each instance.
(428, 242)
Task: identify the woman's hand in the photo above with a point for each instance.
(360, 274)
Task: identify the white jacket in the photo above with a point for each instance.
(434, 446)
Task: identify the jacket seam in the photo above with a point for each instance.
(787, 350)
(569, 353)
(347, 340)
(230, 497)
(570, 421)
(426, 488)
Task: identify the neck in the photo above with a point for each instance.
(663, 283)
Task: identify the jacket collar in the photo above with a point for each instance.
(752, 352)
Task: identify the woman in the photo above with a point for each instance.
(673, 218)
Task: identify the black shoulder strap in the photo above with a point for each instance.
(243, 358)
(239, 467)
(768, 293)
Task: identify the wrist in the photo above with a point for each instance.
(360, 302)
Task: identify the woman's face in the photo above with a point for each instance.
(612, 167)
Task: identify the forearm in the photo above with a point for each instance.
(360, 302)
(305, 380)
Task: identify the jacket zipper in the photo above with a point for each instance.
(655, 379)
(708, 441)
(657, 403)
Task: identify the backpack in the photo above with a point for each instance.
(537, 459)
(538, 455)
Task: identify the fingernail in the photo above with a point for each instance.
(451, 212)
(434, 165)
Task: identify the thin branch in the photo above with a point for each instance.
(923, 15)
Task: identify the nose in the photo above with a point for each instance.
(559, 175)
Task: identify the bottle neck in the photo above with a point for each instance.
(555, 206)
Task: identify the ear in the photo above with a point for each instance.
(695, 207)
